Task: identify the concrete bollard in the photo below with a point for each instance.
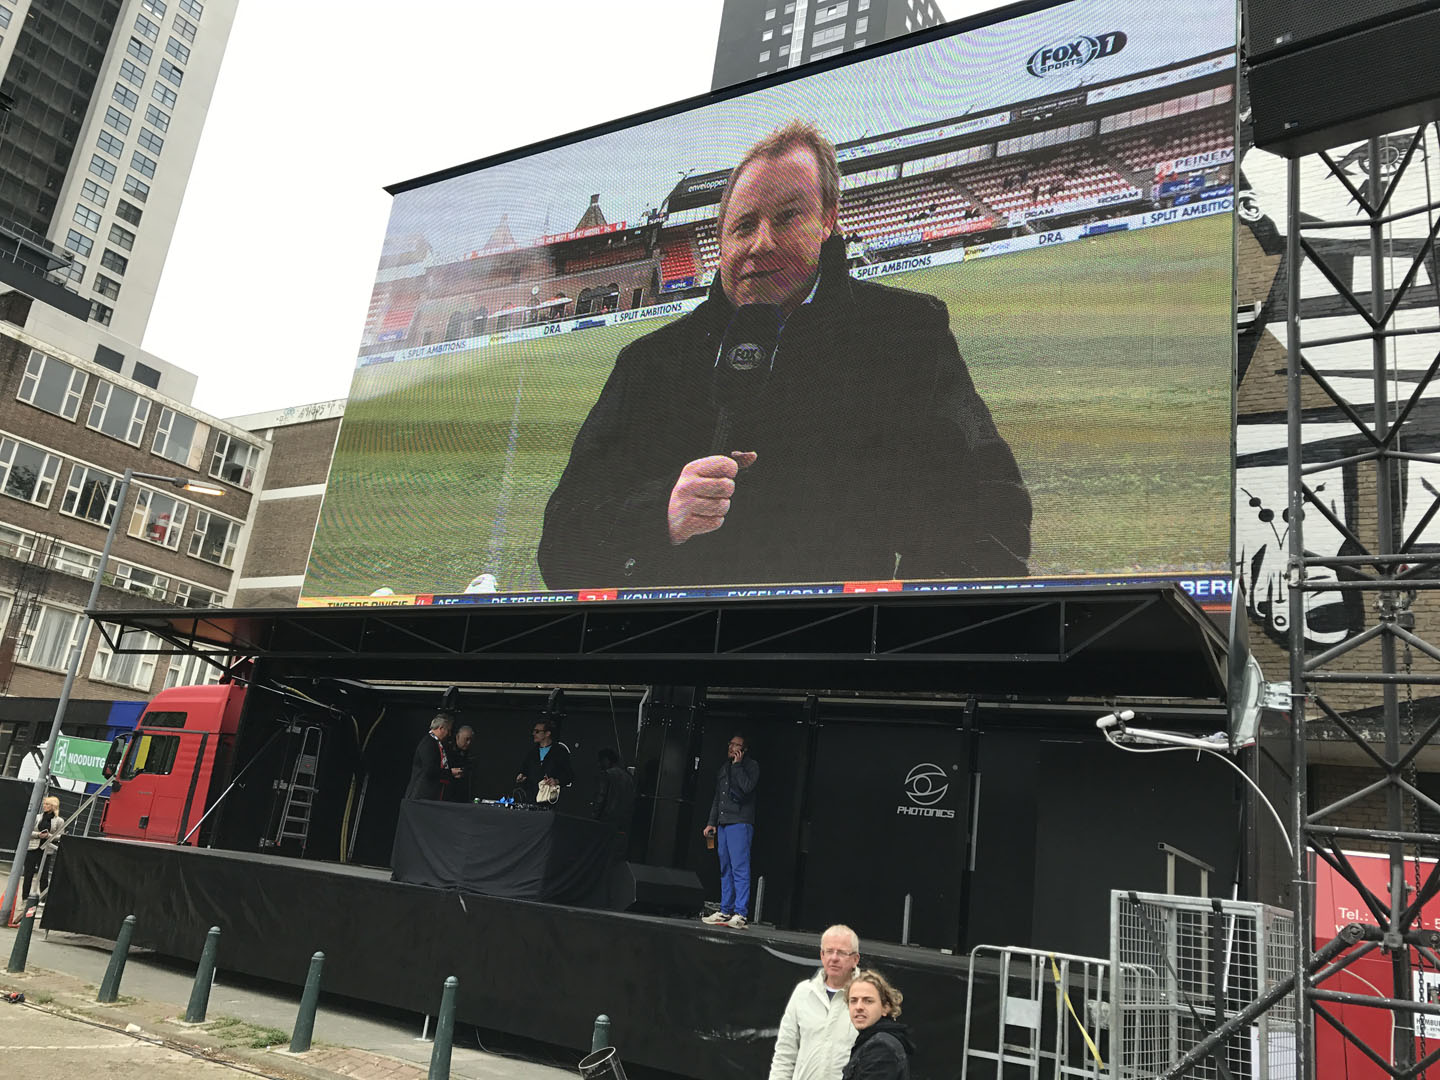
(110, 984)
(21, 949)
(309, 1000)
(600, 1038)
(204, 977)
(444, 1033)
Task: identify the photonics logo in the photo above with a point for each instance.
(925, 785)
(1075, 53)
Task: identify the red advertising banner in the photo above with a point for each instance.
(581, 234)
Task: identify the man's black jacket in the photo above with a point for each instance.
(876, 457)
(428, 776)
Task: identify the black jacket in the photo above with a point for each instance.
(734, 799)
(461, 788)
(877, 458)
(614, 800)
(427, 776)
(881, 1052)
(556, 764)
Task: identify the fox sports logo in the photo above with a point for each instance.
(745, 357)
(1073, 52)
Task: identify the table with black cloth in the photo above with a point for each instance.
(499, 851)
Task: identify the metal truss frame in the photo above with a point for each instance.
(1389, 570)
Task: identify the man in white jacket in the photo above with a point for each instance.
(815, 1032)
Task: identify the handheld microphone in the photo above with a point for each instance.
(743, 367)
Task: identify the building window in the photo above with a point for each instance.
(193, 8)
(125, 96)
(122, 237)
(138, 580)
(863, 5)
(106, 287)
(143, 164)
(130, 73)
(77, 562)
(787, 28)
(154, 116)
(102, 168)
(140, 51)
(113, 260)
(784, 50)
(27, 472)
(48, 636)
(117, 119)
(5, 16)
(146, 28)
(119, 413)
(189, 670)
(185, 28)
(171, 73)
(825, 37)
(830, 12)
(100, 313)
(95, 193)
(767, 35)
(135, 670)
(150, 141)
(91, 494)
(75, 271)
(234, 461)
(145, 375)
(86, 218)
(214, 539)
(78, 242)
(764, 56)
(155, 7)
(862, 25)
(159, 519)
(859, 43)
(109, 144)
(128, 212)
(175, 438)
(178, 51)
(789, 9)
(834, 50)
(136, 188)
(52, 385)
(164, 95)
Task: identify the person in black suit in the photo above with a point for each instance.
(547, 758)
(457, 751)
(430, 769)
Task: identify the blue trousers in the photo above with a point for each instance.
(734, 847)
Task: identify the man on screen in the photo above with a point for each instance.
(856, 449)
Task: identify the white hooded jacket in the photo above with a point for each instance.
(815, 1034)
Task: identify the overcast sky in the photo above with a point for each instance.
(320, 104)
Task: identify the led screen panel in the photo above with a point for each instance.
(956, 315)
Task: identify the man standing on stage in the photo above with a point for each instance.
(815, 1032)
(732, 821)
(461, 789)
(547, 760)
(430, 769)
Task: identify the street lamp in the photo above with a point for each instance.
(184, 483)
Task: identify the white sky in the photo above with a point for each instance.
(320, 104)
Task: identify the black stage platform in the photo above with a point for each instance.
(540, 971)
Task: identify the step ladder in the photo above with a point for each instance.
(301, 792)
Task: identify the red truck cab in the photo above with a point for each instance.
(162, 773)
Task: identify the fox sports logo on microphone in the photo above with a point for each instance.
(746, 356)
(925, 785)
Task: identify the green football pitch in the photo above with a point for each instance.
(1106, 363)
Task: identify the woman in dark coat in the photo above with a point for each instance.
(882, 1049)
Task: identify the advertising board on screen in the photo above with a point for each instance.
(956, 315)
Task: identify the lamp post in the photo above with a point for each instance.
(77, 650)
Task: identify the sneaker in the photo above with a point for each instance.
(737, 921)
(717, 918)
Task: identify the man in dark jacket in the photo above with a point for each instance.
(614, 800)
(882, 1049)
(461, 789)
(868, 455)
(430, 769)
(547, 759)
(732, 823)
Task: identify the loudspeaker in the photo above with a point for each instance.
(1341, 81)
(1276, 27)
(655, 890)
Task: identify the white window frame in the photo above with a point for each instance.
(225, 456)
(75, 488)
(830, 12)
(135, 670)
(165, 430)
(39, 614)
(167, 535)
(183, 591)
(204, 519)
(187, 669)
(100, 406)
(45, 477)
(34, 378)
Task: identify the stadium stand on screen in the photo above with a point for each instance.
(1062, 182)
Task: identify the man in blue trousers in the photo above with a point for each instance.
(732, 818)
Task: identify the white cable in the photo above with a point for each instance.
(1284, 833)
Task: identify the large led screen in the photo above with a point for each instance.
(957, 315)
